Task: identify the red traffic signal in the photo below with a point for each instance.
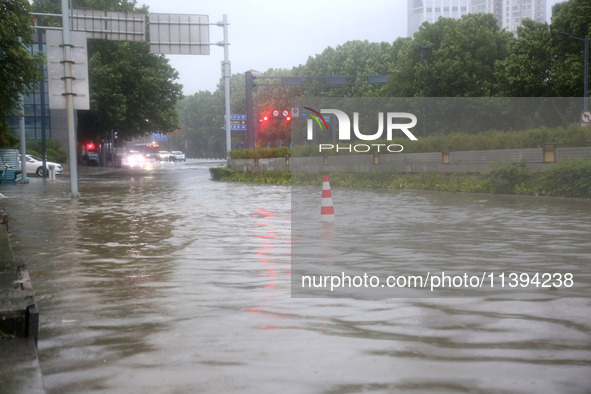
(90, 146)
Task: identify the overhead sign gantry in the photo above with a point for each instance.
(68, 63)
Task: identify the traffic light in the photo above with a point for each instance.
(90, 146)
(264, 117)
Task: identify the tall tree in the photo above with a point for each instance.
(349, 59)
(132, 91)
(526, 71)
(20, 69)
(542, 61)
(571, 17)
(203, 120)
(451, 58)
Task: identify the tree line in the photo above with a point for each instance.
(466, 57)
(19, 68)
(134, 92)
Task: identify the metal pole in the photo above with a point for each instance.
(586, 90)
(227, 86)
(23, 136)
(41, 96)
(250, 124)
(43, 122)
(72, 154)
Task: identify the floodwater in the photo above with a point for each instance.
(164, 281)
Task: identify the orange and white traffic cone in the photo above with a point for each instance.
(326, 209)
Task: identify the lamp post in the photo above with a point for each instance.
(586, 82)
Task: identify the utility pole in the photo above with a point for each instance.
(41, 97)
(250, 123)
(69, 95)
(227, 85)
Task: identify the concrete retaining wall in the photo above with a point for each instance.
(443, 162)
(19, 323)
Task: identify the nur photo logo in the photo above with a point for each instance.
(390, 122)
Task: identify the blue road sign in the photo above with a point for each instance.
(158, 137)
(236, 117)
(237, 127)
(237, 122)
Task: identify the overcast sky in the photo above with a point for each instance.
(267, 34)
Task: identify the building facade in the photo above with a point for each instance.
(36, 107)
(420, 11)
(39, 118)
(514, 11)
(509, 13)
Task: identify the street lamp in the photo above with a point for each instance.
(586, 86)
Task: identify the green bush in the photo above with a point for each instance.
(569, 178)
(275, 177)
(53, 149)
(220, 173)
(271, 177)
(460, 183)
(7, 139)
(504, 178)
(263, 153)
(573, 135)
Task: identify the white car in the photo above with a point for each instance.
(134, 159)
(35, 166)
(177, 155)
(163, 155)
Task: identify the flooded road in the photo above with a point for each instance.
(167, 282)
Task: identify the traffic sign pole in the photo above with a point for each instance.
(227, 87)
(69, 96)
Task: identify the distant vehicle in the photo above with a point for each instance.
(163, 155)
(134, 158)
(92, 158)
(35, 166)
(177, 155)
(149, 149)
(90, 154)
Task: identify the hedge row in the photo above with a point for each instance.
(571, 178)
(573, 135)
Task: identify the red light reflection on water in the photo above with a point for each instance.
(266, 247)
